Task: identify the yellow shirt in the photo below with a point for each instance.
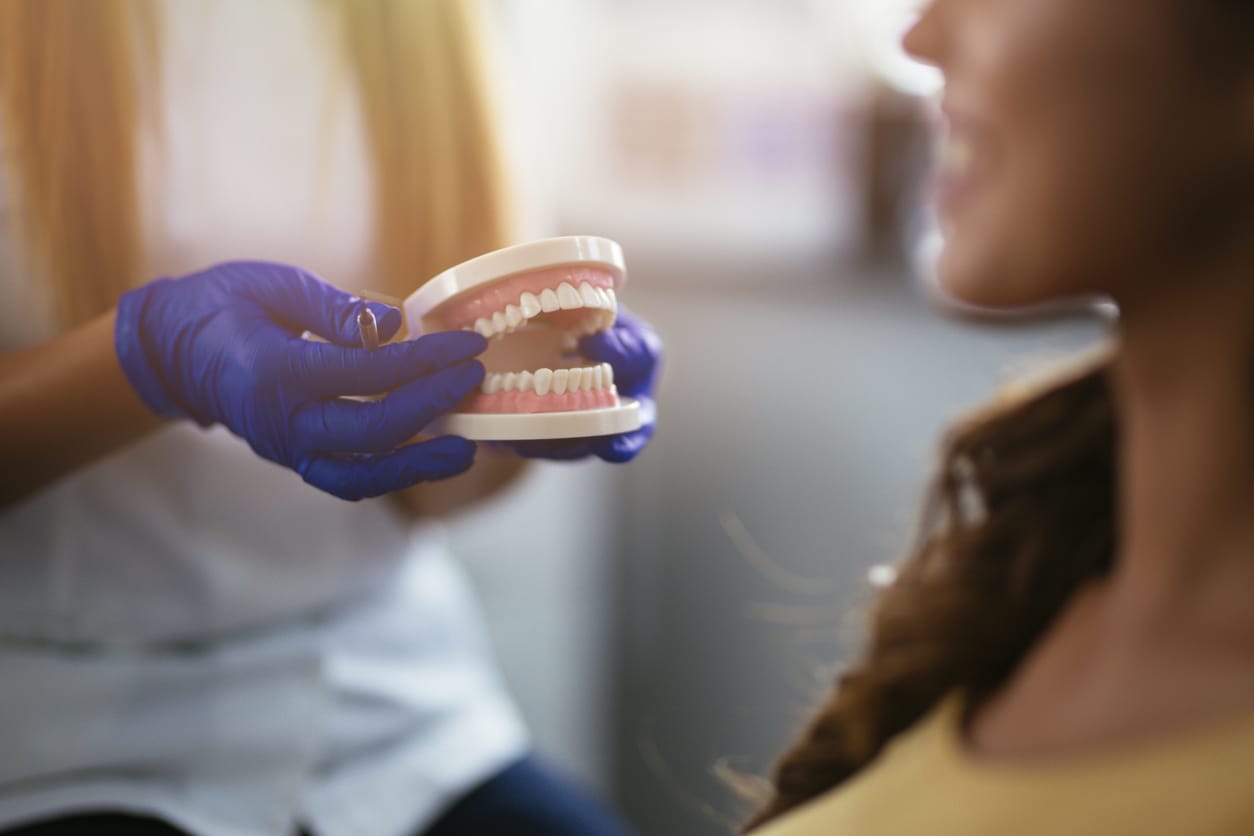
(1195, 784)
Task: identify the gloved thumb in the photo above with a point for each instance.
(305, 302)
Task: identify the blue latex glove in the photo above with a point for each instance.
(224, 346)
(634, 350)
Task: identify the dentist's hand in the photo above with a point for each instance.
(634, 350)
(224, 346)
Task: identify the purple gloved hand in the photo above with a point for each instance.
(635, 351)
(224, 346)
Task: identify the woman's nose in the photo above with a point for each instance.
(924, 39)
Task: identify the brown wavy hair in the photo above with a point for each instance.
(1021, 516)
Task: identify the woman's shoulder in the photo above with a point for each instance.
(927, 781)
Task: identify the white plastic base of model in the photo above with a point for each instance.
(512, 261)
(536, 426)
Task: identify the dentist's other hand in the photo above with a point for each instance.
(224, 346)
(634, 350)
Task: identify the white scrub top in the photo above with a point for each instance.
(187, 630)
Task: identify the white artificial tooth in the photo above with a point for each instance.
(561, 379)
(588, 294)
(607, 319)
(484, 327)
(548, 302)
(499, 323)
(574, 380)
(526, 382)
(598, 377)
(492, 384)
(514, 316)
(603, 298)
(587, 376)
(613, 306)
(510, 382)
(544, 381)
(530, 305)
(609, 374)
(568, 297)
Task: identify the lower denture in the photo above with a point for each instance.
(564, 390)
(530, 402)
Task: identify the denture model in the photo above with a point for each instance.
(533, 302)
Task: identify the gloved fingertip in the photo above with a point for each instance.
(322, 474)
(451, 447)
(592, 343)
(454, 467)
(443, 457)
(605, 347)
(447, 347)
(620, 449)
(473, 372)
(389, 319)
(450, 385)
(616, 453)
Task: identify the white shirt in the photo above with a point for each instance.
(190, 631)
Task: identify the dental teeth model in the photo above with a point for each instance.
(533, 302)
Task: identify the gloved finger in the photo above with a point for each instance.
(620, 449)
(304, 302)
(634, 353)
(344, 426)
(616, 449)
(361, 477)
(324, 370)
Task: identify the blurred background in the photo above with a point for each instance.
(763, 164)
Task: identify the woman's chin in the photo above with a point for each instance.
(966, 280)
(973, 285)
(970, 288)
(1001, 298)
(984, 294)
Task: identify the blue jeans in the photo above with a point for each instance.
(526, 799)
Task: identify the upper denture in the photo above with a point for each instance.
(506, 304)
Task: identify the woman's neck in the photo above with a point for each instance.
(1167, 639)
(1184, 392)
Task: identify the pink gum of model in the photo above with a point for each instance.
(528, 402)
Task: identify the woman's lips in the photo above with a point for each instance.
(955, 175)
(959, 161)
